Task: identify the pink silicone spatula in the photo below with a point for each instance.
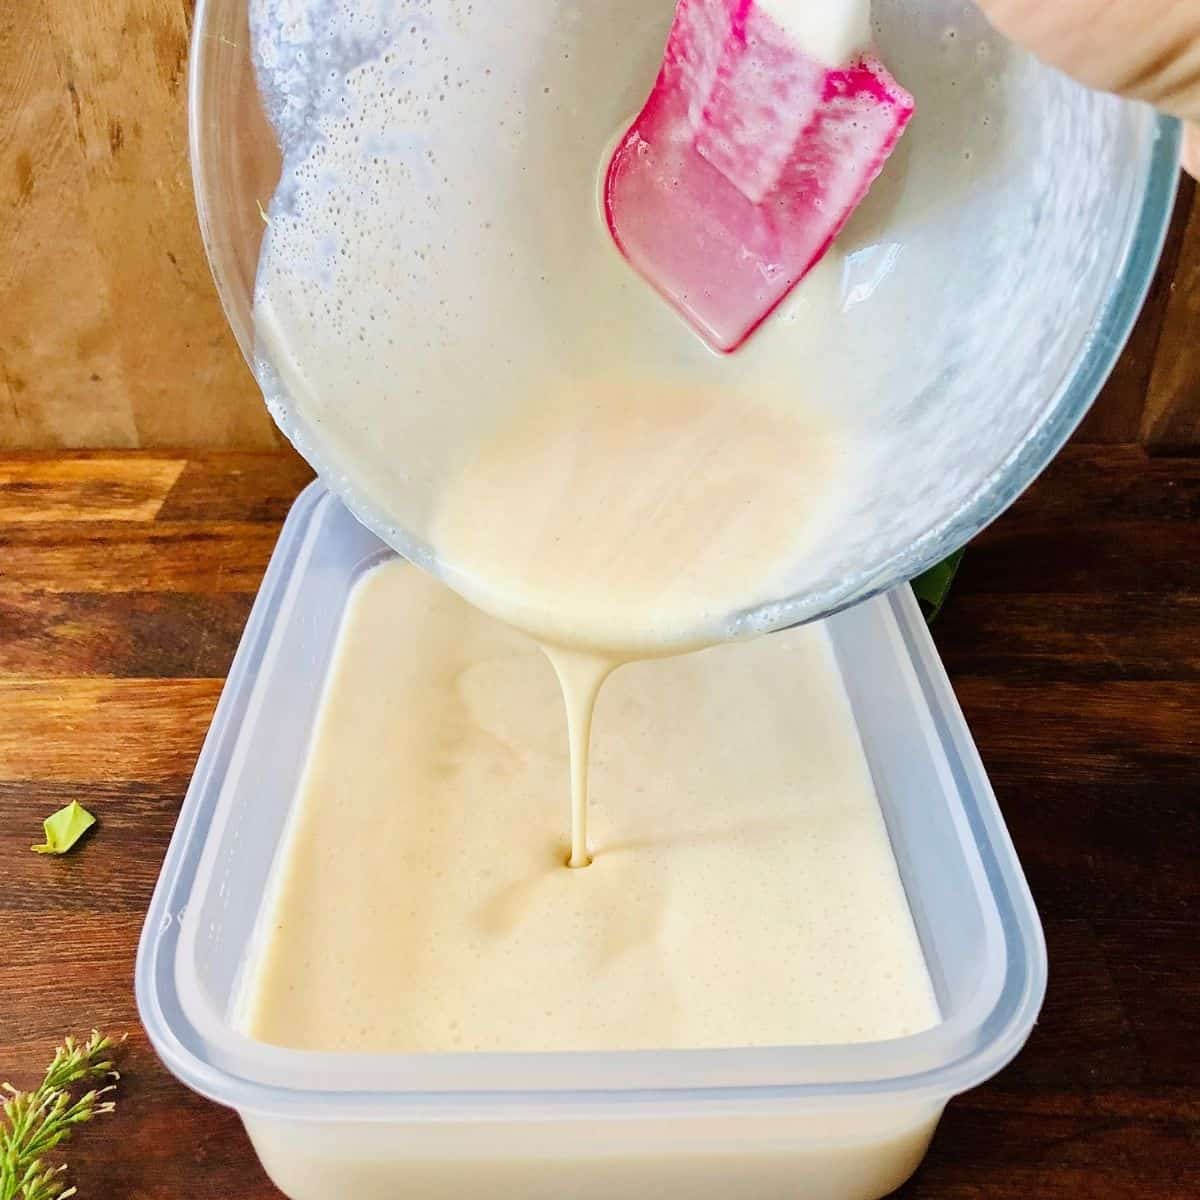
(746, 162)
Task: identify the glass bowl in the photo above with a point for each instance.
(1091, 182)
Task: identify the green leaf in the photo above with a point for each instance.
(64, 828)
(932, 588)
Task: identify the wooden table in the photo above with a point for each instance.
(1073, 638)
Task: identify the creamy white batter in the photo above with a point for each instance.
(441, 300)
(743, 893)
(439, 304)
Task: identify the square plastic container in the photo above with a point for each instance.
(827, 1123)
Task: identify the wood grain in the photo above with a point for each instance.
(1092, 639)
(1171, 420)
(238, 487)
(125, 557)
(113, 335)
(104, 729)
(1080, 679)
(1120, 411)
(158, 635)
(1114, 484)
(61, 382)
(81, 489)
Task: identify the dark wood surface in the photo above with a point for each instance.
(1073, 638)
(1159, 373)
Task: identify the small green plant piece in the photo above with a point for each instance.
(34, 1123)
(64, 828)
(933, 587)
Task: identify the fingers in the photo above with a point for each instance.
(1191, 148)
(1146, 49)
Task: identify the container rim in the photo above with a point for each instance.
(214, 1060)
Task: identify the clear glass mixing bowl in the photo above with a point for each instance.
(1091, 273)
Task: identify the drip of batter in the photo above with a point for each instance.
(581, 676)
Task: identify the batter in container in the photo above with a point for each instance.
(743, 893)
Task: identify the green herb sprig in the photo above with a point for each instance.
(36, 1122)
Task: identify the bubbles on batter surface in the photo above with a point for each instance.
(361, 94)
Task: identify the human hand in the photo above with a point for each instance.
(1146, 49)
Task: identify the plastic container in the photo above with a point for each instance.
(1049, 257)
(829, 1123)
